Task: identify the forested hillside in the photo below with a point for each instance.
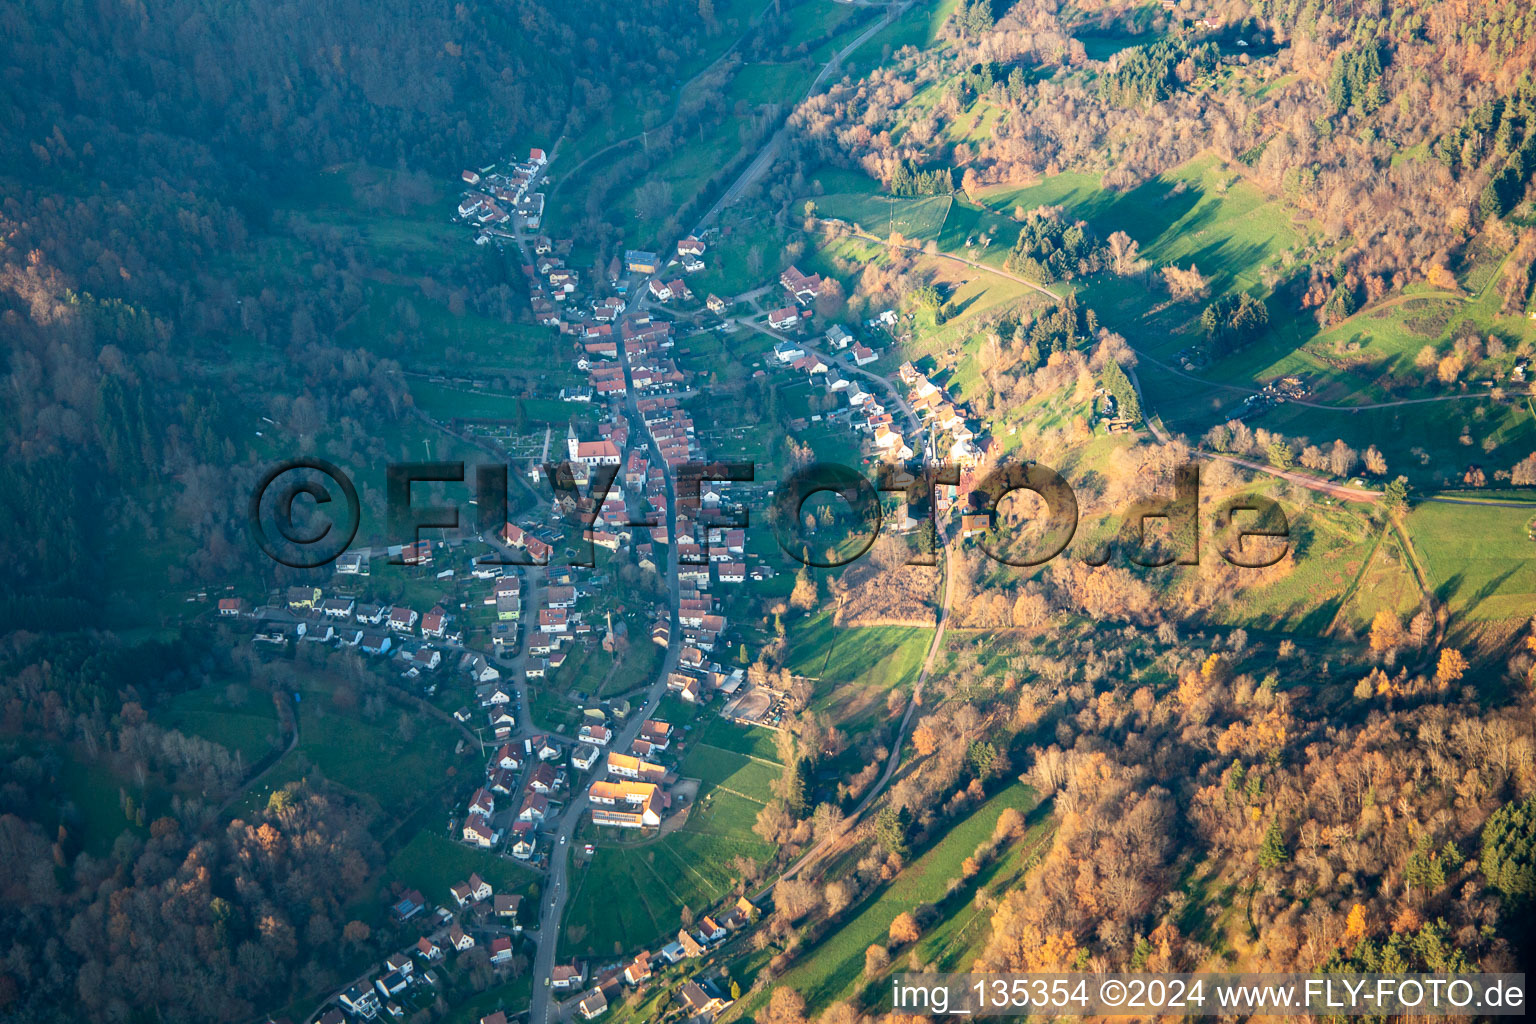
(163, 287)
(1402, 127)
(150, 149)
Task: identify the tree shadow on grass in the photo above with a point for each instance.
(1489, 589)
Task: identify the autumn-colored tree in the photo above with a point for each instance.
(785, 1006)
(1355, 926)
(1191, 689)
(772, 821)
(838, 1013)
(1010, 824)
(925, 739)
(876, 959)
(1185, 285)
(1439, 276)
(1058, 952)
(803, 596)
(794, 898)
(1452, 666)
(904, 929)
(1386, 631)
(831, 302)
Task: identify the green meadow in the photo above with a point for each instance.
(432, 864)
(245, 723)
(631, 893)
(831, 970)
(1480, 559)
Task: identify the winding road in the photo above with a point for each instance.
(765, 156)
(277, 758)
(818, 851)
(682, 90)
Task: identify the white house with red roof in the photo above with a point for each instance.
(478, 831)
(783, 319)
(534, 808)
(803, 288)
(591, 453)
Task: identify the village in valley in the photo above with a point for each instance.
(623, 667)
(570, 766)
(707, 511)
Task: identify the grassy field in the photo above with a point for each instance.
(94, 792)
(1329, 548)
(759, 84)
(393, 762)
(918, 26)
(735, 773)
(978, 125)
(832, 970)
(742, 246)
(749, 740)
(955, 941)
(631, 893)
(246, 725)
(1479, 558)
(1387, 582)
(823, 24)
(855, 665)
(512, 996)
(444, 402)
(1204, 213)
(1102, 44)
(433, 863)
(1423, 442)
(920, 220)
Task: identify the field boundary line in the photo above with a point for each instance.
(1025, 864)
(744, 796)
(738, 753)
(703, 882)
(1354, 584)
(663, 882)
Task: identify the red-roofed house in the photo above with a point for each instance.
(783, 319)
